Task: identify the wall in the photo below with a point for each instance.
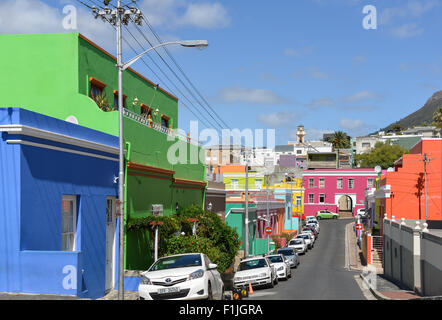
(412, 258)
(31, 259)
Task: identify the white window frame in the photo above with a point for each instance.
(321, 186)
(370, 185)
(342, 183)
(311, 195)
(352, 186)
(234, 185)
(260, 185)
(74, 218)
(310, 184)
(298, 201)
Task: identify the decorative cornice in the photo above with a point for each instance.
(145, 168)
(193, 183)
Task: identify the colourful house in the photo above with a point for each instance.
(66, 76)
(337, 190)
(407, 184)
(57, 206)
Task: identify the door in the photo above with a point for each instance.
(110, 242)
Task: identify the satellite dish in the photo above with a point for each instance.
(378, 169)
(72, 119)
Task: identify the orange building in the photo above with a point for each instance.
(407, 183)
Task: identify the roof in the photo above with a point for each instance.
(284, 148)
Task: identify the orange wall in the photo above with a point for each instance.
(232, 168)
(408, 188)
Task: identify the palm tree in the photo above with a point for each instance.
(437, 117)
(340, 140)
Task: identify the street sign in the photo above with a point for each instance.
(359, 227)
(268, 230)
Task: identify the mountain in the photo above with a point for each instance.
(424, 114)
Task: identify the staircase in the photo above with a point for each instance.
(377, 252)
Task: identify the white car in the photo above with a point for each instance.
(310, 218)
(313, 224)
(307, 239)
(299, 245)
(257, 271)
(311, 234)
(181, 277)
(282, 266)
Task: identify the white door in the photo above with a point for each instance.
(110, 242)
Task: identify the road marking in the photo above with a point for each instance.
(365, 291)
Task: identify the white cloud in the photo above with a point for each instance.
(407, 31)
(174, 14)
(279, 119)
(206, 15)
(254, 96)
(361, 96)
(314, 73)
(290, 52)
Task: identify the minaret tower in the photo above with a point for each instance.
(301, 134)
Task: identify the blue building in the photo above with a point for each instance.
(58, 189)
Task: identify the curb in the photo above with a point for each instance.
(376, 293)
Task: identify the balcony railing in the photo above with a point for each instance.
(156, 126)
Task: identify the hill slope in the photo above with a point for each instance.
(424, 114)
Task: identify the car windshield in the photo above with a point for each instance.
(304, 236)
(287, 252)
(297, 241)
(252, 264)
(174, 262)
(274, 259)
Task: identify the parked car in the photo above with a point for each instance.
(299, 245)
(291, 255)
(326, 214)
(314, 224)
(310, 233)
(310, 218)
(307, 239)
(312, 229)
(282, 266)
(181, 277)
(256, 270)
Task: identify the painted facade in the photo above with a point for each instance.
(57, 201)
(59, 74)
(336, 190)
(407, 184)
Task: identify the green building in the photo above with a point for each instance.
(66, 76)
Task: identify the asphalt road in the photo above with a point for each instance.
(321, 275)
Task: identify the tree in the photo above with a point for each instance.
(437, 117)
(382, 154)
(397, 128)
(340, 140)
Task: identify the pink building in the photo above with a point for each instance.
(337, 190)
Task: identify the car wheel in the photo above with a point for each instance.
(209, 292)
(223, 294)
(318, 218)
(335, 217)
(271, 284)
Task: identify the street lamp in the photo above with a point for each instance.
(118, 16)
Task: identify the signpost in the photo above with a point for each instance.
(268, 230)
(359, 227)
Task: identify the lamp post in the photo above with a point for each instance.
(118, 17)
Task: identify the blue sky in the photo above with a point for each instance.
(282, 63)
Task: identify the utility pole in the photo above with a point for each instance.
(426, 160)
(246, 236)
(117, 17)
(268, 215)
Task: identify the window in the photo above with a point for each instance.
(369, 183)
(321, 198)
(298, 201)
(234, 183)
(146, 111)
(165, 121)
(116, 100)
(311, 198)
(298, 151)
(351, 183)
(311, 182)
(258, 183)
(97, 88)
(68, 223)
(365, 145)
(321, 183)
(340, 184)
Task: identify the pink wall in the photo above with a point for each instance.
(330, 189)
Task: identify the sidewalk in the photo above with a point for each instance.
(354, 253)
(30, 296)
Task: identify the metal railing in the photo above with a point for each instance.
(377, 245)
(157, 126)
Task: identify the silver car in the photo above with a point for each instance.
(291, 255)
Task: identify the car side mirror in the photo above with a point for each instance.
(212, 266)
